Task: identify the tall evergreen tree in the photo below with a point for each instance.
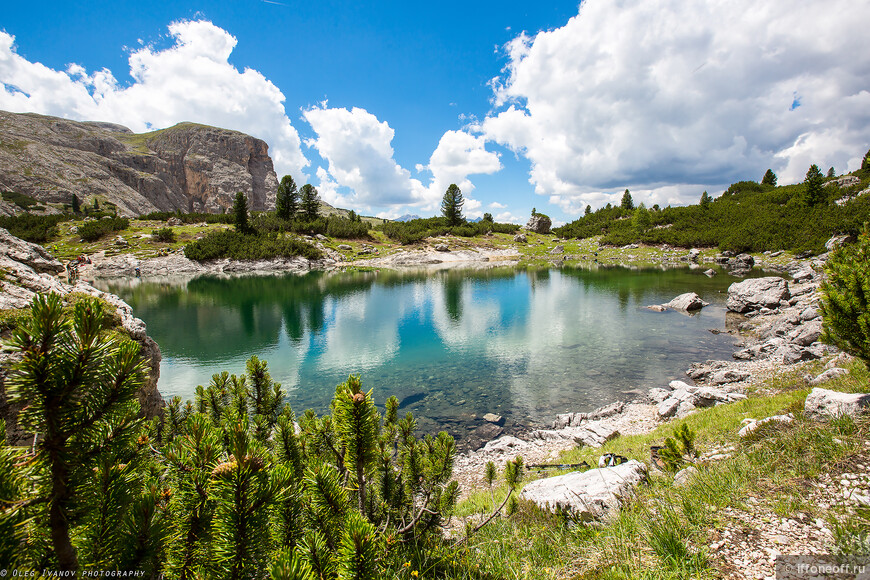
(831, 173)
(627, 202)
(451, 205)
(588, 210)
(286, 199)
(240, 213)
(865, 163)
(769, 178)
(814, 189)
(76, 204)
(641, 220)
(310, 202)
(705, 200)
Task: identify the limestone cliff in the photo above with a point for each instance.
(27, 269)
(187, 167)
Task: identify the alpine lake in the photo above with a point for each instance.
(451, 345)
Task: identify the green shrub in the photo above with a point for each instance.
(33, 228)
(340, 227)
(25, 202)
(94, 230)
(189, 218)
(845, 303)
(248, 246)
(163, 235)
(415, 230)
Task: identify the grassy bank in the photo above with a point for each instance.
(665, 531)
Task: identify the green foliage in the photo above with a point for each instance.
(33, 228)
(487, 217)
(25, 202)
(347, 228)
(679, 447)
(310, 202)
(627, 203)
(769, 178)
(248, 246)
(831, 174)
(845, 303)
(240, 213)
(705, 200)
(416, 230)
(286, 199)
(641, 219)
(748, 217)
(814, 189)
(76, 204)
(79, 386)
(451, 205)
(865, 162)
(94, 230)
(166, 235)
(588, 210)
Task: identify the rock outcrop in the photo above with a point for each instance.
(757, 293)
(539, 223)
(28, 269)
(188, 167)
(588, 495)
(825, 404)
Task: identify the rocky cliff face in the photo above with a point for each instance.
(187, 167)
(27, 269)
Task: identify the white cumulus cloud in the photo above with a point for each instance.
(362, 170)
(649, 94)
(191, 80)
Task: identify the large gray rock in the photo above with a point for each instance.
(829, 375)
(757, 293)
(32, 255)
(539, 223)
(825, 404)
(688, 302)
(589, 495)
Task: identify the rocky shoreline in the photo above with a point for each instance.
(777, 323)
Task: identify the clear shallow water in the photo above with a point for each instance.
(449, 344)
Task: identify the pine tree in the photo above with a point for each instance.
(769, 178)
(310, 202)
(357, 425)
(641, 220)
(240, 213)
(705, 200)
(451, 205)
(286, 199)
(627, 203)
(865, 163)
(487, 217)
(831, 173)
(76, 204)
(588, 210)
(79, 386)
(845, 303)
(814, 192)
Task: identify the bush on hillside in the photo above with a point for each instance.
(416, 230)
(33, 228)
(845, 303)
(166, 235)
(94, 230)
(248, 246)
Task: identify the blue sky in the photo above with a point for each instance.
(545, 105)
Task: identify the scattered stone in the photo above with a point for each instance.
(846, 181)
(592, 494)
(729, 376)
(684, 475)
(442, 248)
(750, 425)
(493, 418)
(710, 273)
(756, 293)
(174, 221)
(837, 241)
(560, 249)
(687, 302)
(520, 238)
(121, 242)
(657, 395)
(344, 247)
(656, 307)
(504, 444)
(825, 404)
(482, 435)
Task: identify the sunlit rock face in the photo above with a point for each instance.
(187, 167)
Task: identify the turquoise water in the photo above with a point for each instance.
(451, 345)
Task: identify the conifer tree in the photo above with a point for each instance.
(814, 192)
(627, 203)
(705, 200)
(310, 202)
(769, 178)
(451, 205)
(76, 204)
(865, 163)
(286, 199)
(845, 303)
(588, 210)
(641, 220)
(79, 386)
(240, 213)
(357, 425)
(831, 173)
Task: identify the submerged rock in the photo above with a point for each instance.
(688, 302)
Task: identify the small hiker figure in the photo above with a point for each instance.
(138, 272)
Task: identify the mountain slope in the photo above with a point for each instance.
(187, 167)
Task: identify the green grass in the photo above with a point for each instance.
(664, 530)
